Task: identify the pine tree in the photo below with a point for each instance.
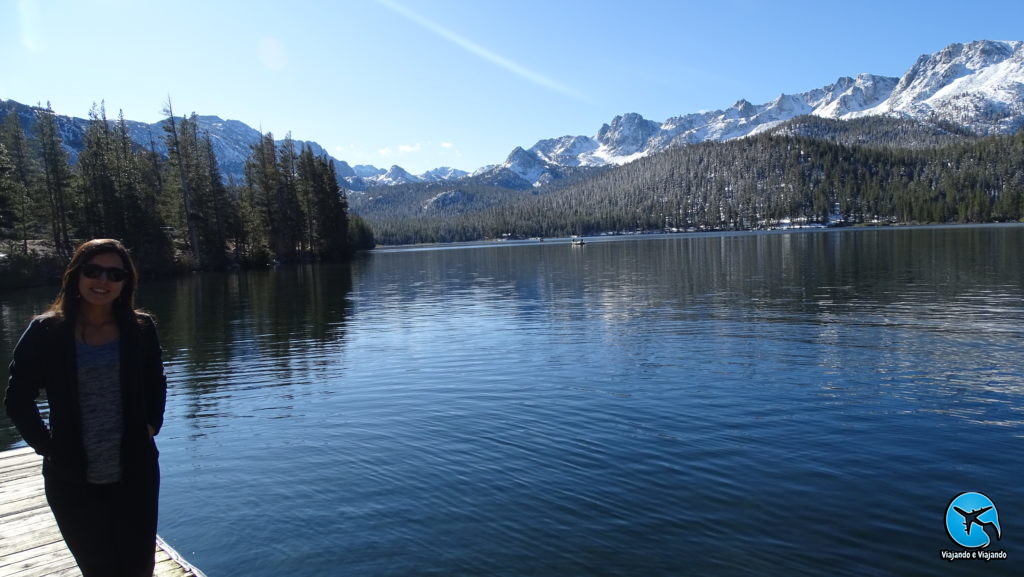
(102, 213)
(212, 200)
(7, 194)
(263, 182)
(22, 179)
(182, 160)
(145, 228)
(287, 208)
(56, 176)
(271, 180)
(332, 222)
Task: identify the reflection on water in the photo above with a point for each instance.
(715, 404)
(254, 332)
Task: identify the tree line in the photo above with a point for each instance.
(175, 212)
(763, 181)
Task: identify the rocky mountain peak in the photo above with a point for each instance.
(443, 173)
(398, 175)
(744, 108)
(343, 169)
(566, 151)
(627, 134)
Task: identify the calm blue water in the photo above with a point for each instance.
(748, 404)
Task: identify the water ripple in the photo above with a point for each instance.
(719, 405)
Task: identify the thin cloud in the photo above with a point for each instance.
(480, 51)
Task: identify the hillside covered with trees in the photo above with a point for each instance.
(175, 212)
(810, 170)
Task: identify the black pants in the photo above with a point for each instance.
(110, 529)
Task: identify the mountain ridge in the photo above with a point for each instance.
(977, 86)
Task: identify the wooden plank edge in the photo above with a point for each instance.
(16, 452)
(177, 557)
(26, 461)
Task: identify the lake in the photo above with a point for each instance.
(716, 404)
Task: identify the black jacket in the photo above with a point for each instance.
(44, 358)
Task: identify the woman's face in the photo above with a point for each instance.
(101, 291)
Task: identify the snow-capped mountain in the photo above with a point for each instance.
(232, 143)
(626, 135)
(524, 169)
(365, 176)
(443, 173)
(526, 165)
(368, 171)
(397, 175)
(978, 86)
(567, 151)
(232, 140)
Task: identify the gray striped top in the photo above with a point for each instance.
(99, 388)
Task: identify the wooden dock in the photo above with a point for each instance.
(30, 543)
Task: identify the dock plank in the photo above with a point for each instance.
(31, 544)
(19, 452)
(12, 507)
(27, 558)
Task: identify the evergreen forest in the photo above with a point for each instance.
(175, 212)
(808, 172)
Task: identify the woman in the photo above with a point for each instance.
(99, 361)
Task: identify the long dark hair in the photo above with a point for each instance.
(68, 302)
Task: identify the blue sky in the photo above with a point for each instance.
(427, 83)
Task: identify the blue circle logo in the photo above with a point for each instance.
(972, 521)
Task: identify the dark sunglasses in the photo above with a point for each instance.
(114, 274)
